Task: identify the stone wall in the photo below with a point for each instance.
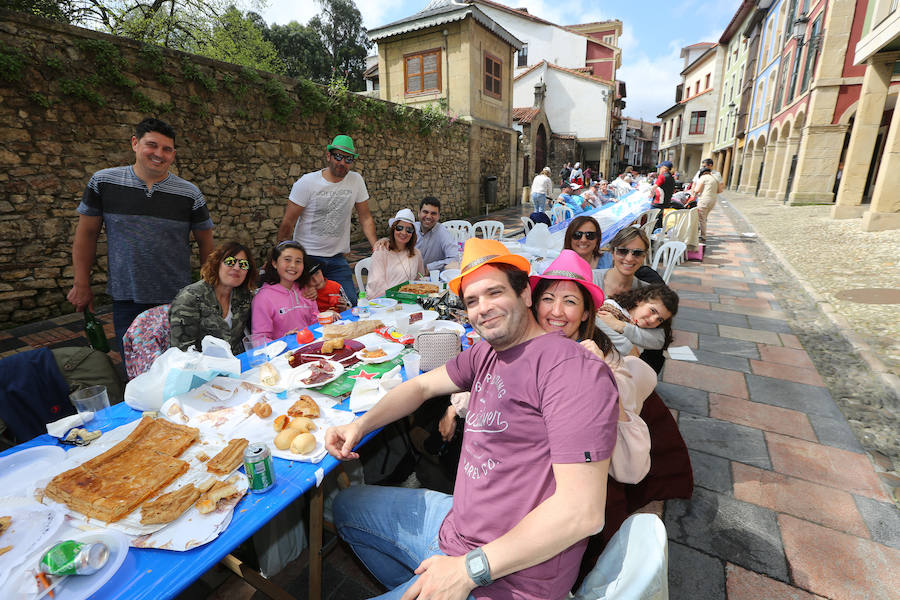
(495, 161)
(70, 97)
(563, 149)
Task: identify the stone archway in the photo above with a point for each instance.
(540, 149)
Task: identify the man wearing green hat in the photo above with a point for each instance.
(319, 211)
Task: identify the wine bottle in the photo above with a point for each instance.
(93, 329)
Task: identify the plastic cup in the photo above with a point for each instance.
(411, 364)
(435, 276)
(254, 345)
(91, 400)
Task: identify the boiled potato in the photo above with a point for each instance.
(302, 424)
(283, 439)
(303, 444)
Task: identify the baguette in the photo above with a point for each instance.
(351, 330)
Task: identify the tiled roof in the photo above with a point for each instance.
(525, 114)
(577, 72)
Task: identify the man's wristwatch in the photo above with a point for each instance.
(478, 568)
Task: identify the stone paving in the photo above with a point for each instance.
(787, 502)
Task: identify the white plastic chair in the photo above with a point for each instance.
(561, 212)
(362, 265)
(682, 226)
(650, 224)
(490, 230)
(671, 254)
(459, 229)
(527, 224)
(634, 564)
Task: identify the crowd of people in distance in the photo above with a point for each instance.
(559, 392)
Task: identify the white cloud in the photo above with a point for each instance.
(650, 82)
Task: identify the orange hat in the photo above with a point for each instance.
(478, 252)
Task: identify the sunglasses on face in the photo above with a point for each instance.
(243, 263)
(405, 228)
(342, 158)
(591, 235)
(636, 252)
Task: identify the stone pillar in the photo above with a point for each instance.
(773, 170)
(726, 167)
(474, 192)
(736, 167)
(884, 212)
(756, 157)
(791, 147)
(862, 138)
(817, 161)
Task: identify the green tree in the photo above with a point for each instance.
(237, 39)
(300, 50)
(344, 39)
(58, 10)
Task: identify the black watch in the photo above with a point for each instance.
(478, 568)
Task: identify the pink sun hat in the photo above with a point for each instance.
(568, 266)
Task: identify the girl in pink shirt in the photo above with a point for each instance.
(280, 306)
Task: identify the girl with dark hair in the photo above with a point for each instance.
(583, 237)
(218, 304)
(639, 319)
(280, 306)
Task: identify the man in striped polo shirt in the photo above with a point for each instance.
(149, 215)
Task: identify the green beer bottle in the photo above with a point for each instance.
(93, 329)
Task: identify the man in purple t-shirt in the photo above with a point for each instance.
(531, 484)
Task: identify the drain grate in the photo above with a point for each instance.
(871, 295)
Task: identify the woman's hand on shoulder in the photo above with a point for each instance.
(591, 346)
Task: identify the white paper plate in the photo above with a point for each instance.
(77, 587)
(33, 526)
(445, 325)
(275, 348)
(391, 350)
(304, 370)
(19, 471)
(391, 318)
(379, 303)
(449, 274)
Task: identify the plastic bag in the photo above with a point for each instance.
(176, 372)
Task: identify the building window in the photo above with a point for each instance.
(493, 82)
(678, 130)
(707, 82)
(698, 122)
(523, 56)
(697, 87)
(422, 72)
(812, 53)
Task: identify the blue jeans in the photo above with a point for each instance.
(539, 200)
(391, 530)
(336, 269)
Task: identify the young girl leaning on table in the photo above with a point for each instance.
(639, 319)
(280, 307)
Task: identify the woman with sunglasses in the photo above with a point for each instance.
(401, 261)
(629, 249)
(218, 304)
(583, 238)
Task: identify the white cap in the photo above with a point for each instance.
(404, 214)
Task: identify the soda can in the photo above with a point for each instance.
(259, 468)
(74, 558)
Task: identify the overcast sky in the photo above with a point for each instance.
(654, 31)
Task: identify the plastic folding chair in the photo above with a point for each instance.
(490, 230)
(527, 224)
(362, 265)
(671, 254)
(561, 212)
(460, 230)
(633, 565)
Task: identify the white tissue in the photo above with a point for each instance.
(367, 392)
(320, 475)
(59, 428)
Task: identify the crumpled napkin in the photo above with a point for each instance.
(59, 428)
(367, 392)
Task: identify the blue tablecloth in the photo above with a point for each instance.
(159, 574)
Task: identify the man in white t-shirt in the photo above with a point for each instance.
(319, 211)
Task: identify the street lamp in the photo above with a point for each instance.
(798, 29)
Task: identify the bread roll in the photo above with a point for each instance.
(283, 440)
(262, 409)
(303, 444)
(281, 422)
(302, 425)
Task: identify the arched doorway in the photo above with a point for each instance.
(540, 149)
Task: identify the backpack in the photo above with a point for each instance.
(82, 367)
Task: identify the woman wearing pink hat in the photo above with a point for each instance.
(565, 298)
(401, 261)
